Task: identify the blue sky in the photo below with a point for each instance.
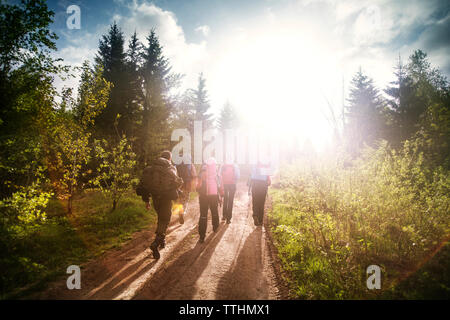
(289, 54)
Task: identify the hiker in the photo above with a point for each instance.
(210, 192)
(161, 182)
(188, 173)
(229, 174)
(258, 184)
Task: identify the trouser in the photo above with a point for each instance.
(228, 198)
(206, 203)
(184, 199)
(259, 192)
(163, 208)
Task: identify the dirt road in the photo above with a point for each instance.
(234, 263)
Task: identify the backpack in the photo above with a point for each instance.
(184, 171)
(157, 181)
(228, 174)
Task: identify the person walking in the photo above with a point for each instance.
(188, 173)
(210, 192)
(229, 174)
(258, 184)
(160, 182)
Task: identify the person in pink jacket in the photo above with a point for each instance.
(210, 192)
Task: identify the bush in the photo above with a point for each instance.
(333, 219)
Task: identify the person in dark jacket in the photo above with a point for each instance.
(161, 182)
(258, 184)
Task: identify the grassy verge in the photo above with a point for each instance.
(333, 221)
(46, 251)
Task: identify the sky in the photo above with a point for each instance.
(293, 56)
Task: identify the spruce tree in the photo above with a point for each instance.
(364, 113)
(201, 103)
(111, 56)
(154, 135)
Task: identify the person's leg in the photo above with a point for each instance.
(213, 204)
(262, 203)
(255, 197)
(232, 191)
(226, 195)
(203, 201)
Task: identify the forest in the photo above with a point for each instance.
(70, 163)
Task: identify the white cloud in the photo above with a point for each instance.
(205, 30)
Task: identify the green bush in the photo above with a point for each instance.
(334, 218)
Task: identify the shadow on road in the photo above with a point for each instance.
(177, 281)
(244, 279)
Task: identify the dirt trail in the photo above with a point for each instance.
(234, 263)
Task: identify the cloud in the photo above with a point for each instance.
(203, 30)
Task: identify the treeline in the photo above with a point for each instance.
(127, 100)
(414, 107)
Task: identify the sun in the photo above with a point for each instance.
(275, 80)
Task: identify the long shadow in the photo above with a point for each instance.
(244, 280)
(178, 279)
(123, 279)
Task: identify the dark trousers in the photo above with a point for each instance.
(228, 198)
(206, 203)
(259, 192)
(163, 207)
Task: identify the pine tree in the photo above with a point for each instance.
(364, 113)
(154, 132)
(401, 99)
(111, 56)
(201, 103)
(134, 92)
(228, 118)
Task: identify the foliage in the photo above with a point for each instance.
(388, 208)
(115, 172)
(37, 256)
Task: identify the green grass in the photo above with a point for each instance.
(330, 222)
(46, 251)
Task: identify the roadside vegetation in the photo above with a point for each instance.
(380, 197)
(41, 252)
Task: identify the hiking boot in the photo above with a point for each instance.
(202, 239)
(162, 244)
(154, 248)
(255, 220)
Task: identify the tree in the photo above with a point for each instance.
(115, 172)
(70, 149)
(111, 56)
(228, 118)
(133, 92)
(201, 103)
(158, 80)
(364, 113)
(401, 104)
(26, 91)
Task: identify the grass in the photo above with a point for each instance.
(46, 251)
(331, 221)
